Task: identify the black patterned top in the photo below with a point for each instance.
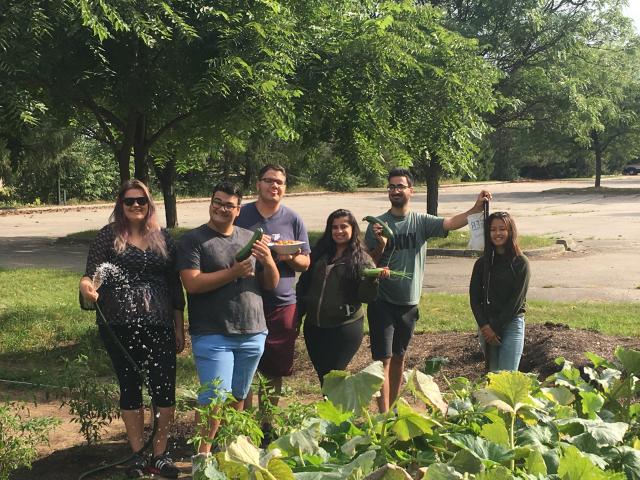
(137, 286)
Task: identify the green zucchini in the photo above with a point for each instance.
(245, 252)
(386, 231)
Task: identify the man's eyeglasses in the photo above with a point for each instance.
(400, 187)
(271, 181)
(224, 206)
(130, 201)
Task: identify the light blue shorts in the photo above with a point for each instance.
(233, 359)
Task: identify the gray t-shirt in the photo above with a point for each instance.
(234, 308)
(405, 252)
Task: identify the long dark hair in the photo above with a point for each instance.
(354, 256)
(150, 227)
(512, 247)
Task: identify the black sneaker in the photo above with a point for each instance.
(135, 468)
(163, 466)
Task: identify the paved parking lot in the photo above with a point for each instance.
(605, 228)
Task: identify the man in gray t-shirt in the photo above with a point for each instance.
(392, 317)
(226, 318)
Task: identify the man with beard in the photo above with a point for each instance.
(392, 317)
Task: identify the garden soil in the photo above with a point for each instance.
(67, 456)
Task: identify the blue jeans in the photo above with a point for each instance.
(233, 359)
(506, 356)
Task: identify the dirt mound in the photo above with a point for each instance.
(543, 344)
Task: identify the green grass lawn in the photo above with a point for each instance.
(41, 323)
(457, 239)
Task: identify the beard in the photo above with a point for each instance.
(398, 202)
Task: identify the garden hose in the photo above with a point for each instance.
(145, 381)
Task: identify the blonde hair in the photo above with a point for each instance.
(150, 228)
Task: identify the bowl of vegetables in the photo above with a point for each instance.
(286, 247)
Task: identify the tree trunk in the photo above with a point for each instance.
(166, 176)
(140, 151)
(123, 155)
(596, 146)
(248, 170)
(433, 181)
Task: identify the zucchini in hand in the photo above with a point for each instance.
(386, 231)
(245, 252)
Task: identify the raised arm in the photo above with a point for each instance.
(460, 220)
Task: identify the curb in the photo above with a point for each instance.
(93, 206)
(560, 246)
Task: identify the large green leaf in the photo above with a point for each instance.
(482, 448)
(561, 395)
(592, 403)
(629, 460)
(305, 440)
(389, 472)
(243, 451)
(598, 361)
(574, 466)
(570, 377)
(441, 471)
(353, 392)
(466, 462)
(349, 447)
(363, 463)
(499, 473)
(409, 423)
(606, 379)
(535, 464)
(537, 435)
(630, 359)
(328, 411)
(604, 433)
(426, 390)
(279, 469)
(507, 391)
(496, 432)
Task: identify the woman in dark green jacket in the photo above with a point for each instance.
(498, 292)
(331, 292)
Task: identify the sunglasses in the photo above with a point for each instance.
(130, 201)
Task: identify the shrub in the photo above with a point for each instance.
(341, 180)
(92, 402)
(19, 436)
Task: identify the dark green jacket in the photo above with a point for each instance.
(330, 298)
(508, 285)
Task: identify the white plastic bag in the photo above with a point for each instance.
(476, 231)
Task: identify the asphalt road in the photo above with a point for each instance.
(604, 228)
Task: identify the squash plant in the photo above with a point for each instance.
(574, 425)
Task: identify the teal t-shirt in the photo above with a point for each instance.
(405, 252)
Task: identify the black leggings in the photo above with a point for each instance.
(153, 348)
(332, 348)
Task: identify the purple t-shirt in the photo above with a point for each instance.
(285, 224)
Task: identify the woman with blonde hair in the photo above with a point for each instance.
(131, 274)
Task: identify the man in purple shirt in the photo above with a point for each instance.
(280, 223)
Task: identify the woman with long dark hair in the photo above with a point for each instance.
(132, 276)
(331, 294)
(498, 292)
